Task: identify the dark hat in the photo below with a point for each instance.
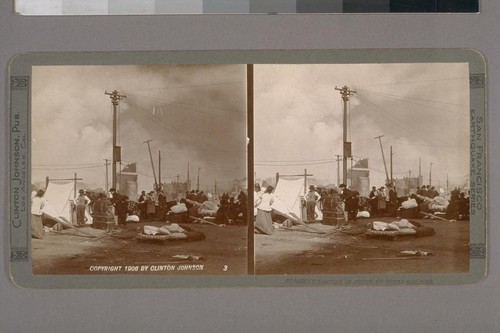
(81, 191)
(311, 187)
(342, 185)
(112, 189)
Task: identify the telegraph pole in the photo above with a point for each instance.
(198, 182)
(152, 164)
(115, 99)
(419, 171)
(345, 92)
(391, 166)
(106, 180)
(159, 168)
(430, 175)
(188, 185)
(338, 168)
(383, 157)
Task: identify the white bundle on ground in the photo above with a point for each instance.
(411, 203)
(363, 213)
(132, 218)
(179, 208)
(150, 230)
(395, 225)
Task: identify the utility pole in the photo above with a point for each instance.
(383, 157)
(106, 180)
(345, 92)
(188, 185)
(409, 180)
(338, 168)
(198, 182)
(215, 190)
(152, 164)
(305, 181)
(430, 175)
(352, 158)
(391, 168)
(419, 171)
(159, 168)
(115, 99)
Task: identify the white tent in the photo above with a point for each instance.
(289, 192)
(58, 199)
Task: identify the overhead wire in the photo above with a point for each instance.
(401, 123)
(410, 100)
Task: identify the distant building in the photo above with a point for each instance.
(407, 185)
(174, 189)
(358, 177)
(127, 181)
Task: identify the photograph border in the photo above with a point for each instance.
(20, 163)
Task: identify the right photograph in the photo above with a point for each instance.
(362, 168)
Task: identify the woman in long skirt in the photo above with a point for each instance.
(263, 221)
(37, 204)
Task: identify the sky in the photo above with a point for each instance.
(193, 114)
(421, 110)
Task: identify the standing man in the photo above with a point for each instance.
(122, 210)
(242, 206)
(114, 197)
(162, 205)
(345, 195)
(392, 203)
(150, 205)
(311, 198)
(142, 205)
(374, 201)
(81, 203)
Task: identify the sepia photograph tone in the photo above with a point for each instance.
(362, 168)
(139, 169)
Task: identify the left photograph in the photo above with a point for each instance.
(139, 169)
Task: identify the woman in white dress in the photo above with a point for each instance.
(263, 221)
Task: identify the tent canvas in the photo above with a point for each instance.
(289, 192)
(58, 199)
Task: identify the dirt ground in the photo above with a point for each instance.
(224, 251)
(298, 250)
(295, 250)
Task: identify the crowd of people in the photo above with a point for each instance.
(154, 206)
(347, 203)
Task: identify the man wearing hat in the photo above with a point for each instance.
(345, 195)
(81, 203)
(311, 198)
(374, 201)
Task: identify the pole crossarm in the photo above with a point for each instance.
(115, 97)
(346, 92)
